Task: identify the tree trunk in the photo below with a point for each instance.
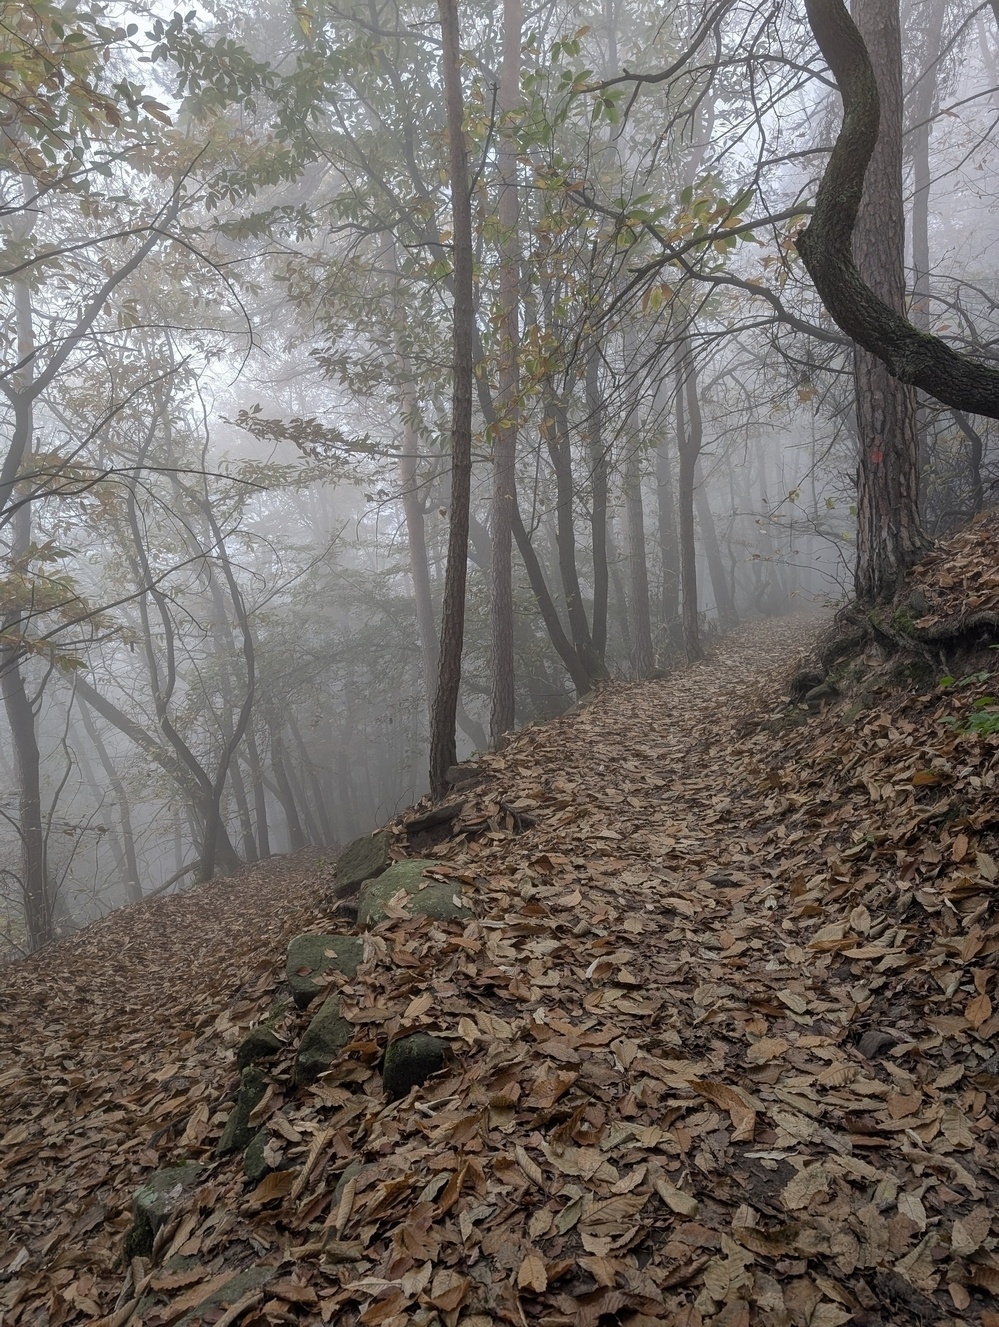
(889, 539)
(712, 551)
(443, 750)
(502, 711)
(688, 437)
(599, 488)
(296, 835)
(416, 532)
(259, 794)
(924, 99)
(669, 546)
(129, 865)
(556, 432)
(641, 649)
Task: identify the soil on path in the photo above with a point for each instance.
(722, 1039)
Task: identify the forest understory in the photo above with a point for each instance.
(722, 1030)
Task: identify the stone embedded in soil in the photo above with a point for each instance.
(238, 1131)
(361, 860)
(255, 1164)
(312, 956)
(322, 1042)
(163, 1193)
(410, 1061)
(260, 1043)
(427, 898)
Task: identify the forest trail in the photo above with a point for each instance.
(722, 1030)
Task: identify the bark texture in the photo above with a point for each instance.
(912, 356)
(889, 538)
(443, 749)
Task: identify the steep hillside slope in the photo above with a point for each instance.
(720, 1026)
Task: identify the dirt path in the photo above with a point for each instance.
(666, 1105)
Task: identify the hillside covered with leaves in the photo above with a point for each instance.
(721, 1026)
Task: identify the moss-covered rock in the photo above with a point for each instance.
(260, 1043)
(361, 860)
(238, 1131)
(428, 898)
(322, 1042)
(164, 1193)
(411, 1060)
(255, 1164)
(312, 956)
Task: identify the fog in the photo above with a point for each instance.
(228, 285)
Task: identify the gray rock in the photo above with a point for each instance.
(428, 898)
(322, 1042)
(260, 1043)
(410, 1061)
(238, 1131)
(361, 860)
(255, 1165)
(872, 1045)
(465, 776)
(436, 816)
(164, 1193)
(311, 956)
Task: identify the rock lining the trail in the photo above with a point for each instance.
(311, 957)
(364, 859)
(427, 898)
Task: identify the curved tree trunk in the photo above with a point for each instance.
(911, 356)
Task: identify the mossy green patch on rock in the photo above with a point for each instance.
(361, 860)
(260, 1043)
(311, 956)
(428, 898)
(410, 1061)
(163, 1193)
(238, 1131)
(255, 1165)
(322, 1042)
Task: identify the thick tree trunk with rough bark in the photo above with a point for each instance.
(443, 751)
(889, 538)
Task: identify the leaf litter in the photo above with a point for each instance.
(723, 1038)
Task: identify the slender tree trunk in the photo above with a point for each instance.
(889, 538)
(416, 532)
(37, 894)
(502, 712)
(641, 650)
(924, 98)
(129, 865)
(669, 546)
(599, 487)
(688, 437)
(324, 827)
(443, 750)
(286, 795)
(259, 794)
(712, 551)
(556, 432)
